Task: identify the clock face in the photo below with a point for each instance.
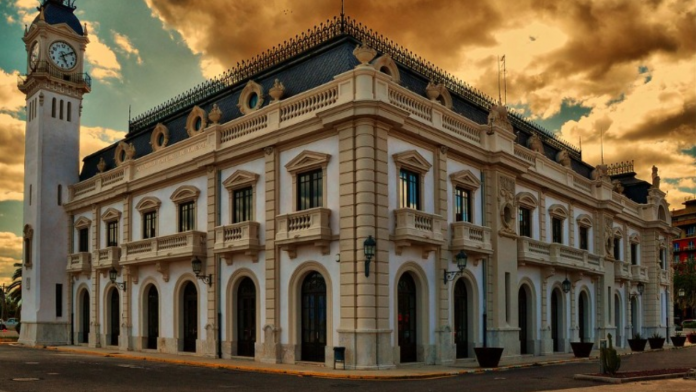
(62, 55)
(34, 56)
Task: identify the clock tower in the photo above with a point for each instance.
(54, 85)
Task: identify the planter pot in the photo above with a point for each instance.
(637, 344)
(678, 341)
(692, 338)
(656, 343)
(582, 349)
(488, 357)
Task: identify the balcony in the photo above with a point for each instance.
(531, 251)
(418, 228)
(302, 227)
(80, 262)
(166, 248)
(664, 277)
(44, 69)
(622, 271)
(238, 238)
(107, 257)
(639, 273)
(471, 238)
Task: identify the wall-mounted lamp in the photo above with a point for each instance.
(197, 266)
(641, 287)
(112, 278)
(566, 284)
(369, 247)
(338, 257)
(461, 258)
(681, 293)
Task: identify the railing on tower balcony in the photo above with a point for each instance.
(557, 255)
(471, 238)
(79, 262)
(46, 68)
(107, 257)
(238, 237)
(307, 226)
(179, 245)
(639, 273)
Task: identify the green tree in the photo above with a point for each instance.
(14, 290)
(685, 279)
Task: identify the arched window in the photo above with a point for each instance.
(53, 108)
(69, 111)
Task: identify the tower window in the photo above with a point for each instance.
(61, 109)
(69, 111)
(60, 195)
(29, 194)
(53, 108)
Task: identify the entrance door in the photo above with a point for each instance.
(617, 320)
(84, 337)
(407, 318)
(246, 318)
(152, 317)
(115, 316)
(313, 318)
(634, 316)
(522, 320)
(461, 320)
(190, 317)
(555, 324)
(582, 314)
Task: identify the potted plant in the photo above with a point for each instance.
(637, 343)
(582, 349)
(692, 337)
(678, 340)
(488, 357)
(656, 341)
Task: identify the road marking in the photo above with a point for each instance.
(26, 379)
(32, 363)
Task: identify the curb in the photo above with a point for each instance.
(612, 380)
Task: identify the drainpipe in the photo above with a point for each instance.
(218, 260)
(483, 266)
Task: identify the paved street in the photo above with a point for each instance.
(63, 371)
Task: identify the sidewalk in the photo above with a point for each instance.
(410, 371)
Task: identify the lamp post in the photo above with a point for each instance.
(112, 278)
(369, 249)
(461, 259)
(197, 267)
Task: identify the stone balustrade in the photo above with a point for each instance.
(301, 227)
(558, 255)
(80, 262)
(180, 245)
(418, 228)
(639, 273)
(471, 238)
(238, 237)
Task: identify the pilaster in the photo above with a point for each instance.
(446, 349)
(270, 350)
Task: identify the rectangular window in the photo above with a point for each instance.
(676, 258)
(83, 240)
(634, 254)
(186, 216)
(507, 297)
(59, 300)
(410, 189)
(112, 233)
(243, 200)
(69, 111)
(617, 248)
(525, 219)
(662, 259)
(150, 224)
(557, 230)
(310, 190)
(583, 238)
(61, 109)
(462, 205)
(676, 247)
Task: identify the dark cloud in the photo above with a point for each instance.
(680, 125)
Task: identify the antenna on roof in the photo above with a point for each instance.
(504, 80)
(601, 130)
(499, 98)
(129, 114)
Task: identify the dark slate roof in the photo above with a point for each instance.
(634, 188)
(55, 12)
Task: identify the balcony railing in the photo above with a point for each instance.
(622, 270)
(557, 255)
(80, 262)
(238, 237)
(301, 227)
(107, 257)
(639, 273)
(180, 245)
(45, 68)
(415, 227)
(471, 238)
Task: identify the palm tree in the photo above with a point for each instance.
(14, 290)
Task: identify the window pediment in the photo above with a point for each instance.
(82, 222)
(148, 203)
(466, 179)
(527, 200)
(185, 193)
(618, 232)
(308, 160)
(584, 220)
(412, 160)
(111, 214)
(558, 211)
(240, 179)
(634, 238)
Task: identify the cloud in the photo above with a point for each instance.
(7, 268)
(11, 99)
(26, 11)
(10, 245)
(127, 46)
(101, 57)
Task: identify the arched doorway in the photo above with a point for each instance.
(313, 317)
(524, 319)
(407, 318)
(114, 317)
(556, 320)
(634, 316)
(190, 317)
(246, 318)
(461, 319)
(152, 317)
(618, 321)
(84, 315)
(583, 314)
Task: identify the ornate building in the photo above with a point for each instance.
(336, 191)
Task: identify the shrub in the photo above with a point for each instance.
(656, 335)
(689, 324)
